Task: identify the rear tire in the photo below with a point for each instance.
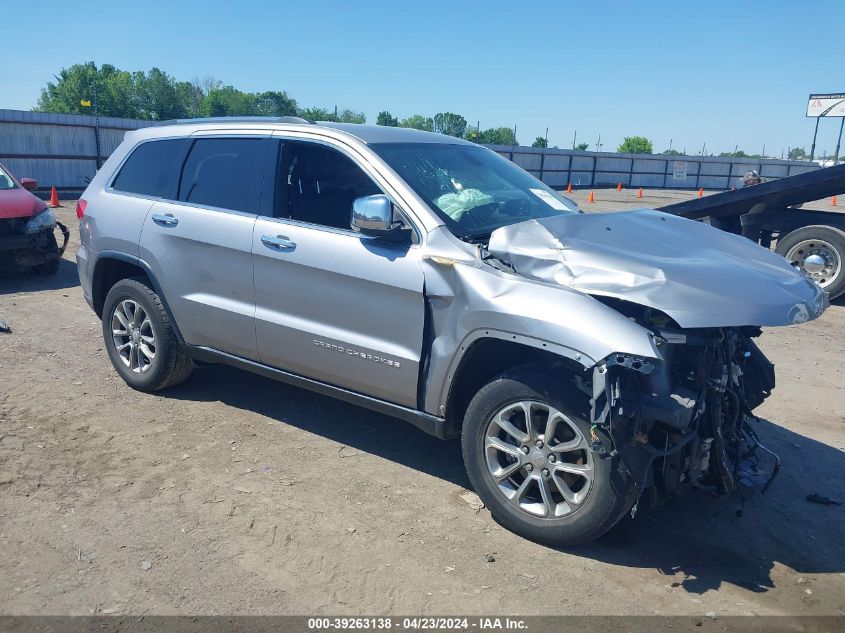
(140, 338)
(820, 251)
(573, 496)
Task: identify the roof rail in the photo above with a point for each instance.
(240, 119)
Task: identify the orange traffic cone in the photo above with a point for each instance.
(833, 201)
(640, 193)
(701, 192)
(592, 197)
(569, 188)
(54, 198)
(618, 186)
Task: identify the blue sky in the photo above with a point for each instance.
(720, 73)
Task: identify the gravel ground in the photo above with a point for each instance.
(235, 494)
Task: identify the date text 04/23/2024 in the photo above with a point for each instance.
(417, 623)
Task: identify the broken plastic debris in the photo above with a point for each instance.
(472, 500)
(821, 499)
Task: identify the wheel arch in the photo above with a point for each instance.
(112, 266)
(487, 353)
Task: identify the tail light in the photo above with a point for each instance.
(80, 207)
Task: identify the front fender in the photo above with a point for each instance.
(473, 301)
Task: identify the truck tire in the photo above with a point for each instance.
(140, 338)
(820, 252)
(525, 443)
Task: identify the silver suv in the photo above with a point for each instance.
(583, 359)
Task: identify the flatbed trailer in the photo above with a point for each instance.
(771, 213)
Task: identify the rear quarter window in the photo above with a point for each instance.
(151, 169)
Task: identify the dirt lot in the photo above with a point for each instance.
(234, 494)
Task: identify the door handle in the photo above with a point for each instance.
(166, 219)
(278, 242)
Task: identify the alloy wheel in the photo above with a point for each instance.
(539, 459)
(133, 336)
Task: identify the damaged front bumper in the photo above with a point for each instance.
(18, 248)
(683, 422)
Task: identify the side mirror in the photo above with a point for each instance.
(373, 215)
(29, 184)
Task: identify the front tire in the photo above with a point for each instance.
(526, 443)
(140, 338)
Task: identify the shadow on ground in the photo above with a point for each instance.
(344, 423)
(14, 280)
(699, 539)
(710, 541)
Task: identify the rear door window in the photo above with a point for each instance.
(151, 169)
(224, 173)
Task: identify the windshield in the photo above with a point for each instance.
(6, 181)
(473, 190)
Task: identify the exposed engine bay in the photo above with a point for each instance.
(685, 422)
(679, 417)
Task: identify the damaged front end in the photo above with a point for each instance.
(685, 422)
(28, 242)
(680, 419)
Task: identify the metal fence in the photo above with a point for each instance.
(559, 167)
(61, 150)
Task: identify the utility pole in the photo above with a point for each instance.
(514, 133)
(670, 144)
(96, 118)
(598, 143)
(763, 155)
(547, 138)
(574, 136)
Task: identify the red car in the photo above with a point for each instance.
(27, 227)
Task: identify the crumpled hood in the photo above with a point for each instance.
(698, 275)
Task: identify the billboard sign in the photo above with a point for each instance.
(826, 105)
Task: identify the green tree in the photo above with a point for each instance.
(540, 141)
(350, 116)
(190, 96)
(670, 152)
(418, 122)
(157, 96)
(797, 153)
(582, 147)
(450, 123)
(737, 154)
(385, 118)
(116, 91)
(497, 136)
(317, 114)
(636, 145)
(274, 103)
(228, 101)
